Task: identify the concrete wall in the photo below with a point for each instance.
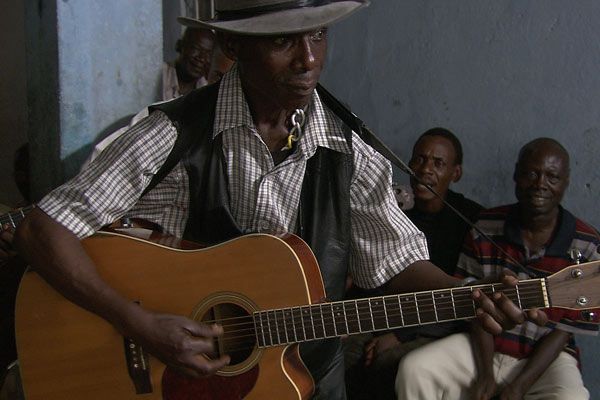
(90, 64)
(13, 95)
(496, 72)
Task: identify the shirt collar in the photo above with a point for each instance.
(322, 127)
(562, 237)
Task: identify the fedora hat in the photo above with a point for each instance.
(271, 17)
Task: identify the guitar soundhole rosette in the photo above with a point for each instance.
(234, 313)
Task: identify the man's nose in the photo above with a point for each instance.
(540, 182)
(305, 57)
(427, 165)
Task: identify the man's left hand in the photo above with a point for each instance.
(499, 313)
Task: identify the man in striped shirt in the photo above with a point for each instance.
(319, 180)
(538, 237)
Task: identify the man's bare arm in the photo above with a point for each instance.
(545, 352)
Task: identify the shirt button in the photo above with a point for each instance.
(264, 226)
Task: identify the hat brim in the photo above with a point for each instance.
(282, 22)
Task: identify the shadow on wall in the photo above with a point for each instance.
(73, 162)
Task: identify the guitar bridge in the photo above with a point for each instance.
(138, 366)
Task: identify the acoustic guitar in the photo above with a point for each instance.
(264, 290)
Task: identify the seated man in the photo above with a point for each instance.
(437, 161)
(537, 236)
(190, 70)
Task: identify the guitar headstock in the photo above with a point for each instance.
(576, 287)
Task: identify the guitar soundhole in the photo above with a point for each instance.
(239, 339)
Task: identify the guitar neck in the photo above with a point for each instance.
(13, 218)
(326, 320)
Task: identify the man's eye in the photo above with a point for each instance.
(416, 160)
(531, 175)
(280, 41)
(318, 35)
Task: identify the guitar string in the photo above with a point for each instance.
(14, 217)
(456, 294)
(360, 322)
(321, 328)
(390, 311)
(355, 318)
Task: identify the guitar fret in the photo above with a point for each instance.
(303, 326)
(287, 340)
(453, 304)
(393, 315)
(401, 312)
(443, 305)
(351, 326)
(364, 315)
(279, 341)
(387, 320)
(434, 307)
(378, 313)
(270, 330)
(262, 330)
(318, 321)
(417, 307)
(345, 317)
(305, 321)
(293, 324)
(371, 314)
(323, 321)
(358, 316)
(300, 329)
(312, 323)
(518, 296)
(474, 308)
(266, 319)
(340, 320)
(329, 321)
(12, 222)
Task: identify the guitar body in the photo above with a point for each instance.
(66, 352)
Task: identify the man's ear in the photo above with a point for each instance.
(457, 173)
(230, 45)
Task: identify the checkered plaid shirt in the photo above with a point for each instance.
(264, 197)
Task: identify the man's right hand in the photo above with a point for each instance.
(178, 341)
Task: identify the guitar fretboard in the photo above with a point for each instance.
(311, 322)
(13, 218)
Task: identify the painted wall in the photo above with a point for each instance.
(90, 65)
(13, 98)
(496, 72)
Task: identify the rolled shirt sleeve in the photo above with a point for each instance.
(384, 240)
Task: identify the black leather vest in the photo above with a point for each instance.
(323, 215)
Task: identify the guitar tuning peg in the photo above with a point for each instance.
(575, 255)
(589, 316)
